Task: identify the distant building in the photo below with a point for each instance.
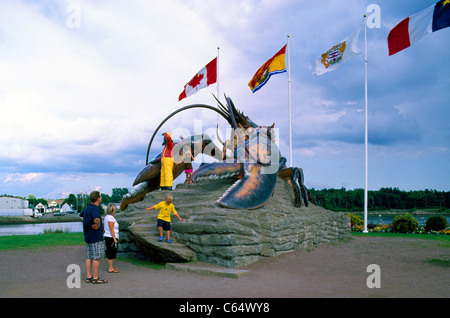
(12, 206)
(40, 208)
(13, 203)
(66, 208)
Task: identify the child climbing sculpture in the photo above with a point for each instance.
(166, 181)
(163, 223)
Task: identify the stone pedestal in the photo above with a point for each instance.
(226, 237)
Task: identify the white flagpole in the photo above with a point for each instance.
(218, 49)
(290, 110)
(365, 130)
(218, 96)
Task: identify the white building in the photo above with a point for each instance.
(40, 208)
(11, 206)
(66, 208)
(13, 203)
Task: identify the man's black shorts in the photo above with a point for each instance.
(165, 225)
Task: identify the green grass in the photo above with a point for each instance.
(20, 242)
(444, 262)
(437, 237)
(27, 220)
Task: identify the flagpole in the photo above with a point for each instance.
(218, 96)
(290, 109)
(218, 49)
(365, 130)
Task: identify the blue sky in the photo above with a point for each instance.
(83, 85)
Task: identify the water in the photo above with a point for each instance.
(38, 228)
(387, 218)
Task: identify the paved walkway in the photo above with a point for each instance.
(334, 270)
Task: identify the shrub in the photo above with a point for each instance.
(404, 223)
(355, 219)
(436, 223)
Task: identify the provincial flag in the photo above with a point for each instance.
(275, 65)
(337, 54)
(411, 29)
(205, 77)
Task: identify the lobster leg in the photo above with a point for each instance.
(295, 177)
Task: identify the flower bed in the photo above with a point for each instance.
(357, 225)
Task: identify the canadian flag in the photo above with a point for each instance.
(205, 77)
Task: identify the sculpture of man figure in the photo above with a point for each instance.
(166, 181)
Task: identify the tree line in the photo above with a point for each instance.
(78, 201)
(81, 200)
(383, 199)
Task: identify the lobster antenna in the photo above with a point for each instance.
(220, 112)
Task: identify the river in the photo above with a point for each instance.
(38, 228)
(376, 218)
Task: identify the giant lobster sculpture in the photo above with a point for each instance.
(256, 163)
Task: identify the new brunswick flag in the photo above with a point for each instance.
(275, 65)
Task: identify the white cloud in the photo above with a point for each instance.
(25, 178)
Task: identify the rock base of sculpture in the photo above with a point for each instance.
(226, 237)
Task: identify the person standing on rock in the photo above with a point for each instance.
(187, 159)
(165, 208)
(93, 236)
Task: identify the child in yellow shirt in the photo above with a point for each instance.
(165, 209)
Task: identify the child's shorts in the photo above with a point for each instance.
(164, 224)
(189, 170)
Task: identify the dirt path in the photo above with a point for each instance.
(335, 270)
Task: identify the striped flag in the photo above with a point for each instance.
(413, 28)
(274, 65)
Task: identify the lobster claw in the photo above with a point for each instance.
(149, 172)
(250, 192)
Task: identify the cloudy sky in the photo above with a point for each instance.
(84, 84)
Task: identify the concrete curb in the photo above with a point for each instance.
(208, 269)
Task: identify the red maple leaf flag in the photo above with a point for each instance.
(205, 77)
